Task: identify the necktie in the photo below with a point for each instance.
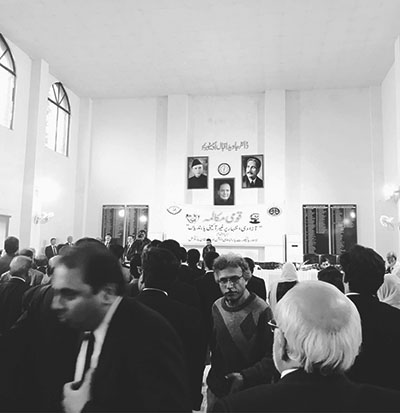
(89, 337)
(252, 183)
(54, 251)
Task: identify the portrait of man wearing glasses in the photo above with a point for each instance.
(241, 345)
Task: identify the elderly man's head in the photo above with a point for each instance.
(318, 329)
(19, 266)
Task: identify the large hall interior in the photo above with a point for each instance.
(139, 90)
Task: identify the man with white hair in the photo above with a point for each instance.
(317, 336)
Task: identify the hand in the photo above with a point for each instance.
(75, 398)
(237, 381)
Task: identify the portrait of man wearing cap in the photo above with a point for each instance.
(197, 179)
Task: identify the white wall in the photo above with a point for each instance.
(26, 161)
(13, 144)
(317, 145)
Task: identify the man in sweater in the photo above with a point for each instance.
(241, 347)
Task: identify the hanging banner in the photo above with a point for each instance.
(244, 225)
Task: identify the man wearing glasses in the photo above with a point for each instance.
(241, 345)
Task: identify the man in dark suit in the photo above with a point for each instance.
(11, 245)
(128, 250)
(159, 272)
(209, 291)
(137, 362)
(317, 336)
(12, 291)
(251, 179)
(255, 284)
(51, 250)
(379, 361)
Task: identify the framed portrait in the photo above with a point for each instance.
(252, 171)
(197, 172)
(224, 191)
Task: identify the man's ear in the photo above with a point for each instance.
(282, 346)
(109, 292)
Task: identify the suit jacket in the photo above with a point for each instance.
(5, 261)
(128, 252)
(209, 291)
(11, 293)
(140, 367)
(302, 392)
(257, 285)
(258, 183)
(379, 360)
(187, 323)
(48, 251)
(38, 356)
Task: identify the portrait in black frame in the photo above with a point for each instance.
(252, 171)
(197, 169)
(224, 191)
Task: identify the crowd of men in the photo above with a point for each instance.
(87, 336)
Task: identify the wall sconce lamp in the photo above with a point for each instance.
(43, 218)
(391, 192)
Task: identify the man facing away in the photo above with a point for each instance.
(11, 245)
(160, 268)
(130, 358)
(379, 361)
(317, 336)
(241, 347)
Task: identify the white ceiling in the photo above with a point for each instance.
(126, 48)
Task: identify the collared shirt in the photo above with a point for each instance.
(99, 335)
(19, 278)
(288, 371)
(155, 289)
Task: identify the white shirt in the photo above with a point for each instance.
(99, 336)
(288, 371)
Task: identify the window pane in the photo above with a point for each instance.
(62, 132)
(51, 124)
(7, 84)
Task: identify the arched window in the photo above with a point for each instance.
(7, 84)
(58, 117)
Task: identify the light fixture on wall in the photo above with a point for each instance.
(391, 192)
(43, 218)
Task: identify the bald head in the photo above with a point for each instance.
(19, 266)
(320, 327)
(53, 261)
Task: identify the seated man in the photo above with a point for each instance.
(317, 338)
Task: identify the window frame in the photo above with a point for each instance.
(60, 97)
(12, 72)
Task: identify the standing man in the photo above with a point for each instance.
(107, 240)
(51, 250)
(379, 361)
(241, 348)
(392, 263)
(131, 358)
(198, 180)
(140, 242)
(208, 248)
(128, 250)
(11, 245)
(12, 291)
(251, 179)
(317, 336)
